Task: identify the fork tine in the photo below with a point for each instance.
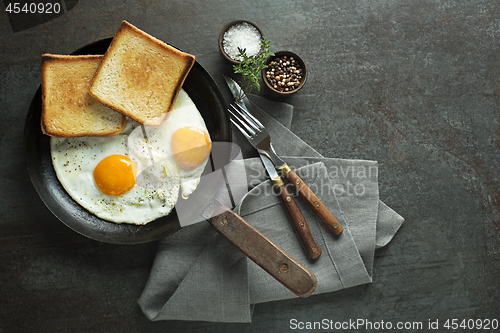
(245, 134)
(242, 114)
(249, 115)
(242, 124)
(252, 129)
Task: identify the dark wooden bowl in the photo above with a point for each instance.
(225, 29)
(302, 81)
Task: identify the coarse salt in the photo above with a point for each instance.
(243, 36)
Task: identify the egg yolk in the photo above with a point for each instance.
(190, 147)
(115, 175)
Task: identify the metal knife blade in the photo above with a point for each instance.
(243, 100)
(234, 88)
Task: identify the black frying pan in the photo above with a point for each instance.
(208, 99)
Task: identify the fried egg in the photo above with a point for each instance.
(184, 136)
(136, 177)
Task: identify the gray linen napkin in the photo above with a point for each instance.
(197, 275)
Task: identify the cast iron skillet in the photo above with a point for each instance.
(205, 94)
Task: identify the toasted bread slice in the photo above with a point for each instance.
(67, 108)
(140, 76)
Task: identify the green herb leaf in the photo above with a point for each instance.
(251, 66)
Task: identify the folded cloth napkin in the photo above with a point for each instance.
(198, 275)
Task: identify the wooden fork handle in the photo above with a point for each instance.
(298, 220)
(313, 201)
(261, 250)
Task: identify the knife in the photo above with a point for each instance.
(293, 210)
(246, 238)
(305, 192)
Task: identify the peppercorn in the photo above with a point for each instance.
(284, 73)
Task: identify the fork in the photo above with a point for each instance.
(293, 210)
(259, 137)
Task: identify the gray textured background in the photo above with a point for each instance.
(413, 84)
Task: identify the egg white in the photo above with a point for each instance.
(74, 160)
(159, 180)
(158, 139)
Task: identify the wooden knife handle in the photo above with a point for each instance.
(261, 250)
(299, 222)
(313, 201)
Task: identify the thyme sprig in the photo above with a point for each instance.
(251, 66)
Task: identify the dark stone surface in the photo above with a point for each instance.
(412, 84)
